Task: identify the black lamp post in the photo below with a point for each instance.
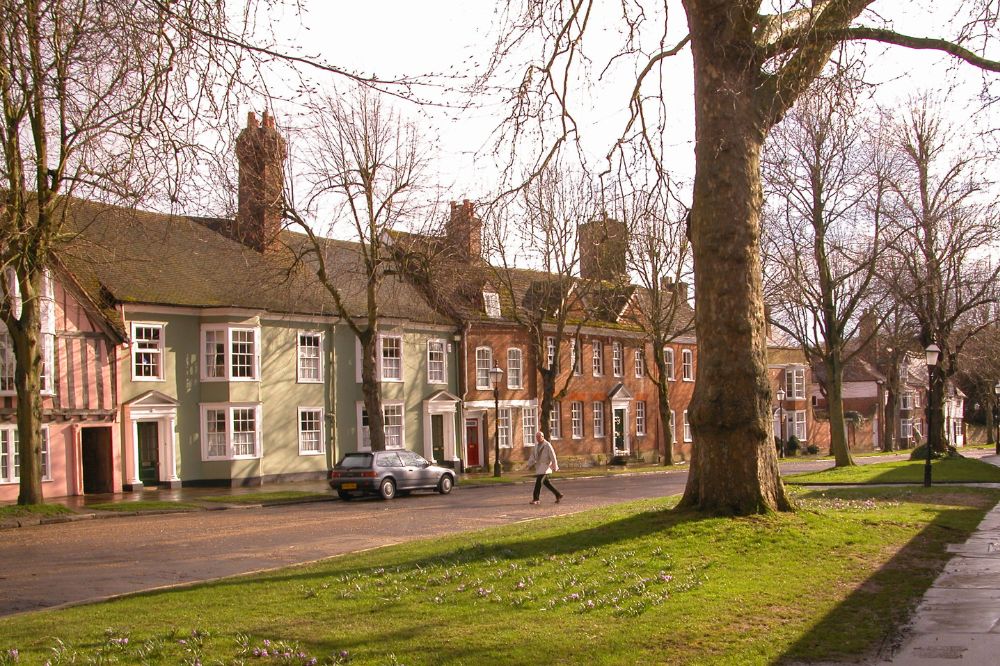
(932, 351)
(996, 391)
(781, 423)
(496, 374)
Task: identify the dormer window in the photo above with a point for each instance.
(491, 301)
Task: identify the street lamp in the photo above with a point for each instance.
(932, 352)
(781, 423)
(496, 374)
(996, 391)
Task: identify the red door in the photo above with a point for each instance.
(472, 442)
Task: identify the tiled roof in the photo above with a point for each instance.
(856, 370)
(127, 256)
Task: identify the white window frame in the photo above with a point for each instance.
(10, 456)
(640, 418)
(555, 420)
(576, 419)
(577, 349)
(304, 448)
(673, 426)
(597, 414)
(515, 379)
(227, 343)
(364, 441)
(906, 428)
(906, 400)
(230, 408)
(306, 354)
(668, 361)
(640, 363)
(529, 425)
(491, 304)
(8, 364)
(687, 427)
(484, 363)
(505, 430)
(617, 359)
(385, 367)
(155, 351)
(437, 369)
(598, 356)
(687, 365)
(550, 351)
(795, 382)
(797, 424)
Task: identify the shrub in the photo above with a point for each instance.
(793, 445)
(812, 449)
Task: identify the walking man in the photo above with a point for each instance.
(544, 460)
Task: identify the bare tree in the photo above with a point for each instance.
(826, 175)
(979, 372)
(749, 69)
(659, 258)
(944, 228)
(99, 99)
(539, 228)
(365, 169)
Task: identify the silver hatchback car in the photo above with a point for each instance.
(387, 472)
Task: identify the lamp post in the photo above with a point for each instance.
(496, 374)
(996, 392)
(932, 352)
(781, 423)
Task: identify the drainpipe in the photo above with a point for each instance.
(463, 387)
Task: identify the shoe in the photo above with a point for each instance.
(559, 498)
(534, 501)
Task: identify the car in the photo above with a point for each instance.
(386, 473)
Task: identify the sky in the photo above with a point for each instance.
(405, 38)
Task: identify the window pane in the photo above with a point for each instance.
(146, 351)
(215, 432)
(309, 357)
(529, 425)
(576, 418)
(6, 362)
(514, 368)
(503, 427)
(392, 358)
(244, 432)
(435, 362)
(243, 354)
(393, 426)
(310, 430)
(484, 363)
(215, 354)
(598, 358)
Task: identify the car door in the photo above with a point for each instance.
(392, 466)
(416, 470)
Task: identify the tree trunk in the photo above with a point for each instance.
(734, 466)
(548, 381)
(663, 405)
(936, 437)
(371, 388)
(989, 404)
(25, 336)
(838, 424)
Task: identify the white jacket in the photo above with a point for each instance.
(544, 458)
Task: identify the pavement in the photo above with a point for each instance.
(958, 620)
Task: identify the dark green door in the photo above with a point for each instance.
(437, 437)
(149, 452)
(619, 418)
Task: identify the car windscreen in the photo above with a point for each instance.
(357, 460)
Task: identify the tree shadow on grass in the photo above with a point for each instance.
(871, 619)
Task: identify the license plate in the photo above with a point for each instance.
(348, 486)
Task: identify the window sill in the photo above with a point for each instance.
(148, 379)
(308, 381)
(229, 459)
(310, 453)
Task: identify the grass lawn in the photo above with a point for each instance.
(143, 505)
(274, 497)
(39, 510)
(633, 583)
(945, 470)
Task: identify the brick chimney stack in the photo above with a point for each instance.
(464, 231)
(603, 246)
(261, 152)
(679, 288)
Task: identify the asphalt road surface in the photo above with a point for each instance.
(53, 565)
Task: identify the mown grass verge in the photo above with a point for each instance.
(274, 497)
(634, 583)
(37, 510)
(944, 470)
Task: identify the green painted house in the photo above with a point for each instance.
(236, 369)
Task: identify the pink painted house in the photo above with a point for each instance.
(80, 431)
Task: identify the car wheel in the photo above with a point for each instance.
(344, 495)
(387, 489)
(445, 484)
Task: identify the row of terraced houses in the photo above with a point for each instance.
(194, 351)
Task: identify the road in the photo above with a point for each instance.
(52, 565)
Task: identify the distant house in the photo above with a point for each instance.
(80, 435)
(219, 359)
(790, 377)
(864, 403)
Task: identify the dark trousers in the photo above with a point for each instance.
(539, 480)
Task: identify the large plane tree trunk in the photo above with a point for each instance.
(734, 464)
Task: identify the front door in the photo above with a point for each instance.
(96, 459)
(149, 452)
(437, 437)
(472, 442)
(619, 424)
